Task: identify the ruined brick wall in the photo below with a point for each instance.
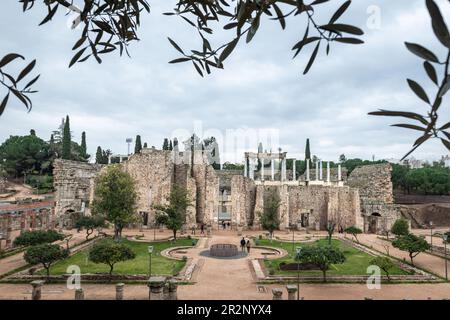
(2, 184)
(374, 183)
(73, 182)
(152, 171)
(243, 192)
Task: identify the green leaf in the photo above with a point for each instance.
(409, 126)
(339, 27)
(26, 70)
(339, 12)
(179, 60)
(421, 52)
(446, 143)
(312, 59)
(280, 16)
(349, 40)
(29, 84)
(439, 27)
(50, 15)
(431, 72)
(418, 90)
(445, 87)
(228, 50)
(3, 104)
(173, 43)
(405, 114)
(10, 57)
(76, 57)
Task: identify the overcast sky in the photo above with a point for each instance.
(261, 89)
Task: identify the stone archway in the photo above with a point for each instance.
(373, 222)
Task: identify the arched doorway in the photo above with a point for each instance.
(373, 222)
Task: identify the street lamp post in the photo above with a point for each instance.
(445, 237)
(150, 251)
(298, 250)
(431, 235)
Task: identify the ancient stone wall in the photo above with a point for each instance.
(2, 184)
(243, 192)
(73, 183)
(374, 183)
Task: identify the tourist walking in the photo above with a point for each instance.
(193, 229)
(248, 246)
(202, 229)
(243, 244)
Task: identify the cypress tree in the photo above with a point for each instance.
(138, 145)
(99, 155)
(83, 149)
(170, 145)
(66, 142)
(52, 140)
(145, 145)
(165, 144)
(307, 150)
(32, 132)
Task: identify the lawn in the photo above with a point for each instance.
(356, 262)
(139, 265)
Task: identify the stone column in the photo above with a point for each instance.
(109, 159)
(173, 287)
(277, 294)
(339, 172)
(272, 168)
(294, 174)
(245, 167)
(320, 170)
(156, 287)
(262, 169)
(36, 293)
(79, 294)
(119, 291)
(317, 170)
(292, 290)
(328, 171)
(252, 171)
(307, 170)
(283, 169)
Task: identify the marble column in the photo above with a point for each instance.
(245, 167)
(320, 170)
(283, 169)
(36, 292)
(252, 172)
(317, 170)
(339, 172)
(292, 290)
(262, 170)
(294, 174)
(272, 168)
(328, 171)
(307, 170)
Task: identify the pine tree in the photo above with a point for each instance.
(66, 142)
(83, 148)
(32, 132)
(138, 145)
(307, 150)
(99, 156)
(165, 144)
(145, 145)
(52, 140)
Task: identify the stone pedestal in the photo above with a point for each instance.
(36, 292)
(292, 291)
(173, 287)
(277, 294)
(156, 288)
(79, 294)
(119, 291)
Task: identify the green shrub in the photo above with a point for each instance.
(30, 238)
(400, 227)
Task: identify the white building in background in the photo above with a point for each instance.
(446, 161)
(412, 162)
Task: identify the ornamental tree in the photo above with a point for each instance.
(31, 238)
(412, 244)
(45, 254)
(269, 217)
(173, 215)
(400, 227)
(89, 223)
(115, 198)
(354, 231)
(322, 256)
(110, 252)
(384, 263)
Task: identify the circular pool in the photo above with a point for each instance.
(223, 250)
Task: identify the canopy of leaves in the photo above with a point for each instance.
(427, 124)
(320, 255)
(110, 252)
(384, 263)
(353, 230)
(400, 227)
(45, 254)
(30, 238)
(269, 217)
(411, 243)
(115, 196)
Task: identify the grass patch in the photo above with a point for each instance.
(139, 265)
(356, 262)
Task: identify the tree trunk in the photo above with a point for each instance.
(174, 235)
(324, 275)
(411, 256)
(117, 232)
(110, 271)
